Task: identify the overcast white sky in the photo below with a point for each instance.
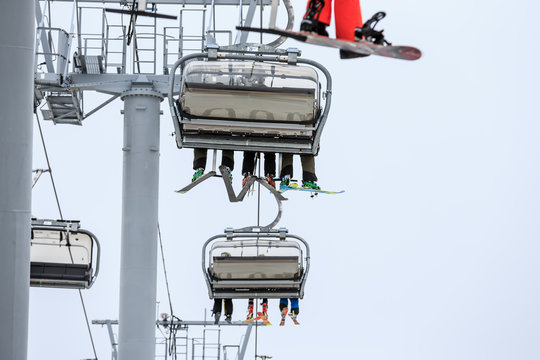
(432, 251)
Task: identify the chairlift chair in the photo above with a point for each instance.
(256, 263)
(62, 255)
(249, 101)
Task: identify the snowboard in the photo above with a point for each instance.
(359, 47)
(296, 187)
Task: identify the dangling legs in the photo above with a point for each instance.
(308, 172)
(283, 302)
(250, 310)
(264, 304)
(199, 163)
(227, 159)
(295, 308)
(270, 168)
(248, 166)
(286, 169)
(216, 310)
(228, 309)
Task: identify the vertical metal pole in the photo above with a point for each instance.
(16, 89)
(245, 343)
(111, 338)
(138, 267)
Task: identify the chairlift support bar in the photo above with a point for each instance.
(66, 225)
(177, 2)
(180, 323)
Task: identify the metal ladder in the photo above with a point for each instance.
(186, 39)
(180, 348)
(144, 46)
(113, 35)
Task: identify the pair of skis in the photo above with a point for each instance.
(284, 316)
(260, 316)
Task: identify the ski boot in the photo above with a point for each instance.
(228, 172)
(270, 180)
(198, 173)
(246, 178)
(284, 312)
(216, 318)
(228, 318)
(285, 180)
(265, 310)
(250, 312)
(310, 185)
(310, 22)
(293, 314)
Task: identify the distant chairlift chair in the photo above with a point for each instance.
(62, 255)
(268, 102)
(256, 263)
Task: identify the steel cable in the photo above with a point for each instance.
(62, 217)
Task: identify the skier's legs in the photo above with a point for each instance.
(199, 159)
(264, 304)
(248, 163)
(250, 310)
(270, 164)
(228, 307)
(348, 16)
(227, 159)
(308, 168)
(217, 306)
(286, 165)
(283, 303)
(295, 308)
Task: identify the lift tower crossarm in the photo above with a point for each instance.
(176, 2)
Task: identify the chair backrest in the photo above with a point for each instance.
(256, 259)
(250, 91)
(63, 257)
(51, 246)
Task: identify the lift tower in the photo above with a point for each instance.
(16, 57)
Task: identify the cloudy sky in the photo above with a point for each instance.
(431, 252)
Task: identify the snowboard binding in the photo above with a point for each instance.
(368, 32)
(310, 22)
